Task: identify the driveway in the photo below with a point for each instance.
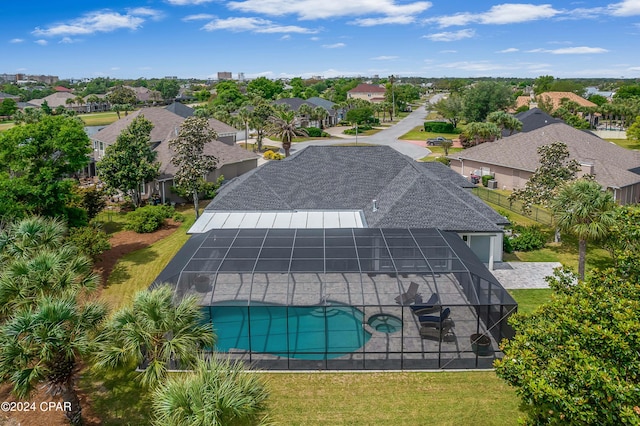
(388, 137)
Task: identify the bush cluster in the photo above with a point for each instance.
(315, 132)
(438, 127)
(270, 155)
(362, 128)
(526, 238)
(148, 219)
(443, 160)
(91, 240)
(486, 179)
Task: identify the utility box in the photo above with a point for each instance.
(492, 184)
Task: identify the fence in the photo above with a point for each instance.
(537, 214)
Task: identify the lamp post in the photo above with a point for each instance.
(393, 96)
(356, 134)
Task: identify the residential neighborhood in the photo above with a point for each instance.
(304, 213)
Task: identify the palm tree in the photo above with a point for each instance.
(244, 118)
(92, 101)
(43, 345)
(217, 393)
(154, 332)
(283, 125)
(20, 239)
(320, 114)
(305, 112)
(582, 208)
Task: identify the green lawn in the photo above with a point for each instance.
(418, 134)
(7, 125)
(529, 299)
(626, 143)
(391, 398)
(100, 118)
(137, 270)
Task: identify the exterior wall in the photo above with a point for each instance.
(627, 195)
(228, 139)
(481, 245)
(506, 177)
(368, 96)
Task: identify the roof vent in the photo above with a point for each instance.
(375, 205)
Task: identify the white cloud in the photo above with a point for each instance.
(188, 2)
(16, 40)
(387, 20)
(508, 13)
(509, 50)
(625, 8)
(314, 38)
(451, 36)
(384, 58)
(94, 22)
(578, 50)
(477, 66)
(115, 68)
(285, 37)
(41, 42)
(448, 51)
(258, 25)
(322, 9)
(156, 15)
(68, 40)
(198, 17)
(334, 46)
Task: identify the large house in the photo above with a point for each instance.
(554, 99)
(368, 92)
(334, 114)
(233, 161)
(357, 187)
(347, 258)
(512, 160)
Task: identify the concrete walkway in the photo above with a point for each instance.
(521, 275)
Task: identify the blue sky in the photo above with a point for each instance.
(289, 38)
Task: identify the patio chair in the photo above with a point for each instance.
(430, 306)
(436, 321)
(444, 333)
(409, 296)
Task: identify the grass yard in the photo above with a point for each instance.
(626, 143)
(137, 270)
(418, 134)
(7, 125)
(529, 299)
(100, 118)
(390, 398)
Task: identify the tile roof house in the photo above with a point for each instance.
(556, 99)
(368, 92)
(513, 159)
(374, 187)
(232, 159)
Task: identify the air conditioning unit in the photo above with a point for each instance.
(492, 184)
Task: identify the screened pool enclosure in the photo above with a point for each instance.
(355, 298)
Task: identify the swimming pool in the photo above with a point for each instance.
(314, 333)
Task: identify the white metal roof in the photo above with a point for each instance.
(278, 219)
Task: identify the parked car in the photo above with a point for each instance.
(437, 141)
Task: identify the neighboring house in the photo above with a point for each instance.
(294, 104)
(556, 99)
(512, 160)
(60, 99)
(356, 187)
(62, 89)
(532, 119)
(368, 92)
(232, 159)
(4, 96)
(335, 114)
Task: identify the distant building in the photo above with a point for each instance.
(368, 92)
(224, 75)
(8, 78)
(240, 76)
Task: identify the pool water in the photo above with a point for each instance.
(314, 333)
(385, 323)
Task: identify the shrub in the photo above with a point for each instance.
(527, 238)
(443, 160)
(506, 244)
(314, 132)
(438, 127)
(270, 155)
(486, 179)
(362, 128)
(91, 240)
(148, 219)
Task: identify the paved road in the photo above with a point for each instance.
(388, 136)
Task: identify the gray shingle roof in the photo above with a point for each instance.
(534, 119)
(613, 165)
(294, 103)
(408, 194)
(180, 109)
(166, 126)
(324, 103)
